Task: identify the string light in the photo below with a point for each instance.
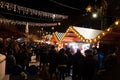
(59, 23)
(8, 21)
(82, 38)
(25, 10)
(108, 29)
(103, 33)
(116, 22)
(99, 36)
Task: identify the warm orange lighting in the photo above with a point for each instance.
(59, 23)
(116, 22)
(98, 36)
(89, 8)
(95, 40)
(81, 38)
(108, 29)
(90, 41)
(87, 40)
(103, 33)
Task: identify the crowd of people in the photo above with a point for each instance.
(94, 65)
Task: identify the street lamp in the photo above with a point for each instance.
(101, 11)
(94, 14)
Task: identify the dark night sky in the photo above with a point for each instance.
(75, 9)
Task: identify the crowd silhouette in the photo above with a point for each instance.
(57, 64)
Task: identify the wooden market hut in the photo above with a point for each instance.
(80, 34)
(56, 37)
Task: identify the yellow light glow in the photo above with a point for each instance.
(86, 40)
(108, 29)
(59, 23)
(90, 40)
(71, 28)
(95, 40)
(46, 32)
(67, 30)
(103, 33)
(83, 40)
(116, 22)
(89, 8)
(75, 33)
(98, 36)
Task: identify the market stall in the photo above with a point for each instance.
(79, 37)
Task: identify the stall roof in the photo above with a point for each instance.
(114, 33)
(57, 36)
(74, 33)
(87, 33)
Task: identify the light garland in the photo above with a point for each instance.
(96, 39)
(8, 21)
(25, 10)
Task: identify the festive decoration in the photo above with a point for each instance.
(94, 36)
(8, 21)
(83, 34)
(58, 35)
(116, 22)
(28, 11)
(97, 35)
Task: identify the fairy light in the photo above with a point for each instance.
(8, 21)
(59, 23)
(103, 33)
(86, 40)
(90, 41)
(81, 38)
(95, 40)
(99, 37)
(116, 22)
(29, 11)
(108, 29)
